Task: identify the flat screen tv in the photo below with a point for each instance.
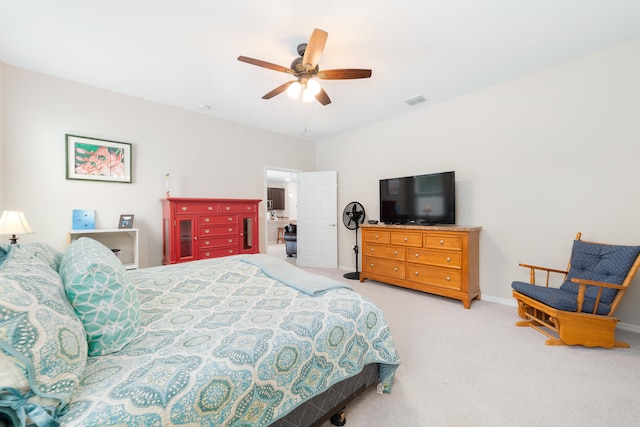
(423, 199)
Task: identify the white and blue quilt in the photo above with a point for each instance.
(223, 343)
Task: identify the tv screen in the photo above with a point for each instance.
(423, 199)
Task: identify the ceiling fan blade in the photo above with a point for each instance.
(314, 49)
(323, 98)
(265, 64)
(344, 74)
(278, 90)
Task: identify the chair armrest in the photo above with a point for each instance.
(583, 283)
(532, 272)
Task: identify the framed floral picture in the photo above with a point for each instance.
(98, 159)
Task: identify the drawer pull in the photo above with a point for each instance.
(406, 239)
(371, 265)
(230, 219)
(248, 208)
(372, 249)
(206, 220)
(207, 231)
(395, 269)
(230, 240)
(230, 251)
(230, 230)
(210, 208)
(207, 242)
(184, 208)
(448, 259)
(207, 254)
(442, 242)
(448, 278)
(395, 252)
(417, 273)
(227, 208)
(376, 236)
(417, 255)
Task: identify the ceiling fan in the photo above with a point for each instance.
(306, 71)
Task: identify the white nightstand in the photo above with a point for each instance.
(125, 239)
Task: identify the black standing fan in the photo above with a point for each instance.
(352, 217)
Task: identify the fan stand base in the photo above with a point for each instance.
(353, 276)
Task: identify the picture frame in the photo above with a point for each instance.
(126, 221)
(94, 159)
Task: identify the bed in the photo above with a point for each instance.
(236, 341)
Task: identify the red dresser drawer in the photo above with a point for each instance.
(218, 252)
(218, 230)
(216, 220)
(218, 242)
(237, 207)
(189, 208)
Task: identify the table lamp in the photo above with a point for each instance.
(14, 222)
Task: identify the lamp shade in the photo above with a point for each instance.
(14, 222)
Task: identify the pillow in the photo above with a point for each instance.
(101, 294)
(43, 349)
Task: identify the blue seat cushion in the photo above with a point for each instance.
(602, 263)
(559, 298)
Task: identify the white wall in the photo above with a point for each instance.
(537, 159)
(206, 157)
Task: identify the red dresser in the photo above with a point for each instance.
(196, 228)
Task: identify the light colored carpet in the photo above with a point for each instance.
(475, 368)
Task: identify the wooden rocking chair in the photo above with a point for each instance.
(580, 311)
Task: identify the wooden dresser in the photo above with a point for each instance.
(441, 260)
(208, 228)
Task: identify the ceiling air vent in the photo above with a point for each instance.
(417, 100)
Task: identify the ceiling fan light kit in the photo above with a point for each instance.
(307, 72)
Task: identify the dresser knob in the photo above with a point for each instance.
(206, 230)
(210, 208)
(395, 269)
(230, 229)
(376, 236)
(406, 239)
(442, 242)
(417, 273)
(184, 208)
(206, 220)
(417, 255)
(207, 243)
(372, 249)
(230, 240)
(448, 259)
(248, 208)
(230, 251)
(228, 208)
(448, 278)
(230, 219)
(395, 252)
(371, 265)
(207, 254)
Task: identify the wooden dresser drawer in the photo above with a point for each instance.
(188, 208)
(389, 252)
(442, 241)
(217, 242)
(237, 207)
(374, 236)
(218, 252)
(220, 219)
(384, 267)
(407, 239)
(445, 278)
(217, 231)
(451, 259)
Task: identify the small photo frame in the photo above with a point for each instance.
(98, 159)
(126, 221)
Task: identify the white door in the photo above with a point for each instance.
(317, 219)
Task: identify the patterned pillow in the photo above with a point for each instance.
(101, 294)
(43, 349)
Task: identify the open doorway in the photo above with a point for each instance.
(281, 209)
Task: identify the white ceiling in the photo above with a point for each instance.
(183, 52)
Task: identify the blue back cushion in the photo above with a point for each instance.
(602, 263)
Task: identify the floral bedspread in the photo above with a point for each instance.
(222, 344)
